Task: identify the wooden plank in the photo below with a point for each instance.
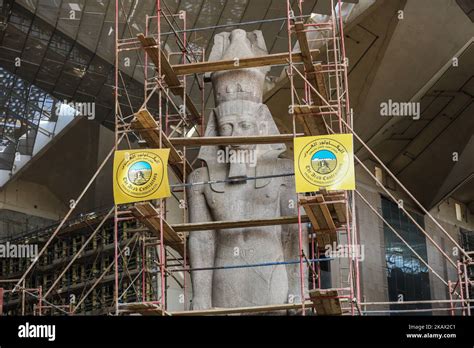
(325, 210)
(306, 109)
(146, 309)
(256, 139)
(319, 215)
(326, 302)
(313, 123)
(147, 214)
(333, 193)
(239, 310)
(311, 119)
(310, 213)
(329, 199)
(336, 201)
(150, 46)
(220, 225)
(321, 82)
(244, 63)
(315, 76)
(312, 217)
(150, 218)
(148, 127)
(318, 209)
(304, 47)
(340, 209)
(313, 205)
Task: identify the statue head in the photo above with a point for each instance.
(239, 111)
(239, 118)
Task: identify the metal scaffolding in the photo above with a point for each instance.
(167, 117)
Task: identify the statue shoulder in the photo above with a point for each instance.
(286, 166)
(198, 175)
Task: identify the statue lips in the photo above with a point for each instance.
(239, 147)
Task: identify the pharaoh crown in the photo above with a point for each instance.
(241, 84)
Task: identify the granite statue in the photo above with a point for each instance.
(237, 195)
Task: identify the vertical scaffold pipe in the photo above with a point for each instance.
(116, 148)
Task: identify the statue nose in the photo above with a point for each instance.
(235, 131)
(238, 34)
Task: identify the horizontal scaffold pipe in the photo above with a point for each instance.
(263, 264)
(221, 225)
(413, 310)
(227, 26)
(253, 139)
(384, 303)
(212, 182)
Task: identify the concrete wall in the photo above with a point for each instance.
(373, 270)
(103, 189)
(26, 206)
(412, 57)
(44, 188)
(30, 198)
(13, 223)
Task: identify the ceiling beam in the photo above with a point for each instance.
(381, 135)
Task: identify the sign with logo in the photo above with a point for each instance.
(141, 175)
(324, 162)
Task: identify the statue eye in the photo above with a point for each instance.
(225, 128)
(246, 125)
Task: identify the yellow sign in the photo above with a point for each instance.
(141, 175)
(324, 162)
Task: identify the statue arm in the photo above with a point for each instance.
(201, 244)
(290, 242)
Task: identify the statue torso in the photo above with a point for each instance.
(237, 247)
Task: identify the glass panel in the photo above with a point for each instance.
(408, 278)
(23, 107)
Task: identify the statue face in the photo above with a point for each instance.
(239, 125)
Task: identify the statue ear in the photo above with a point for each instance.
(256, 39)
(271, 128)
(208, 154)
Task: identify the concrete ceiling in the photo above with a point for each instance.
(417, 66)
(425, 149)
(390, 58)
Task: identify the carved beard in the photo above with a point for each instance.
(238, 171)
